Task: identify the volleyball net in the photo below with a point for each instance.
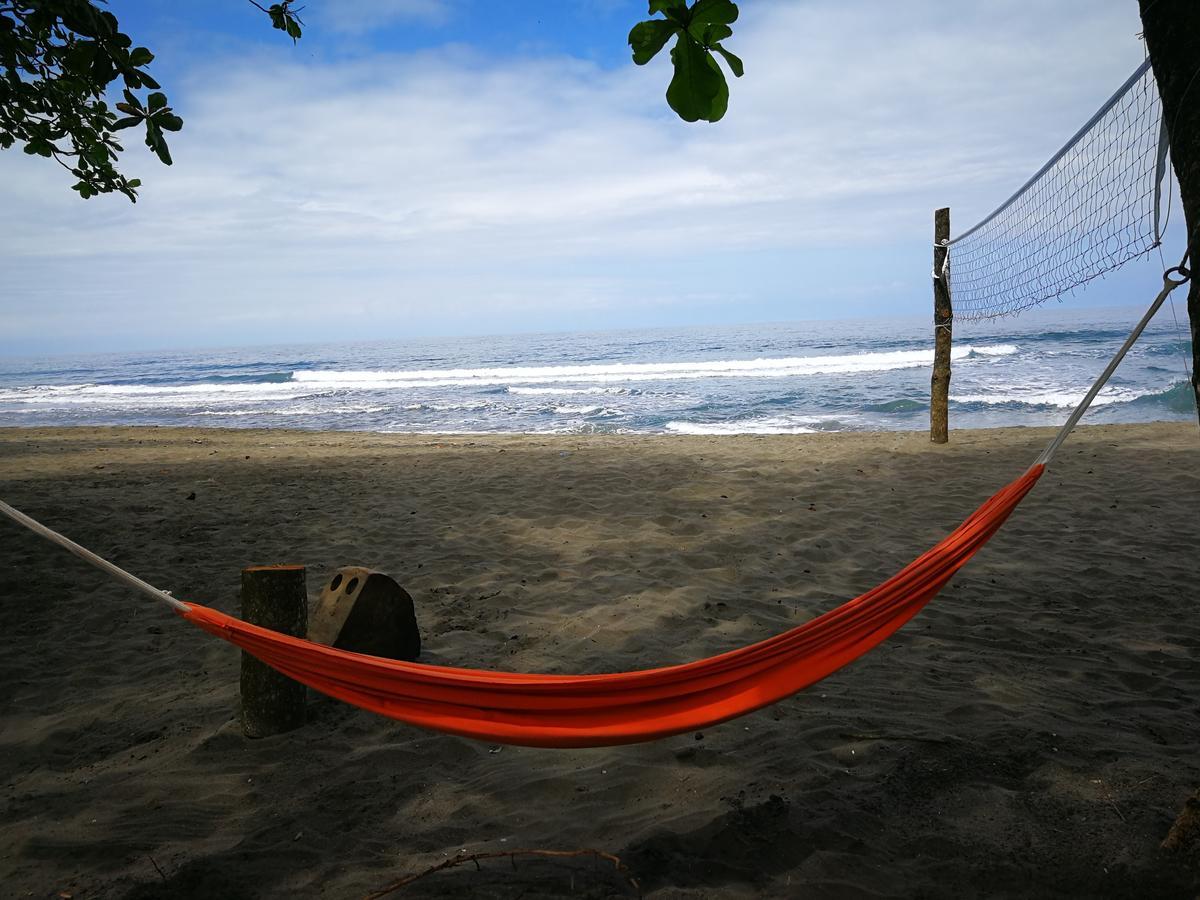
(1096, 205)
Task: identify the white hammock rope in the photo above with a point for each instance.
(1169, 284)
(89, 557)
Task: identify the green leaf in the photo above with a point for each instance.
(162, 151)
(723, 12)
(80, 58)
(709, 34)
(131, 99)
(156, 101)
(127, 122)
(647, 38)
(697, 81)
(155, 141)
(675, 10)
(97, 154)
(169, 121)
(293, 28)
(140, 56)
(720, 103)
(735, 64)
(103, 70)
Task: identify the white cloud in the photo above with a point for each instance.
(361, 16)
(441, 190)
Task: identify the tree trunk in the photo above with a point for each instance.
(1172, 29)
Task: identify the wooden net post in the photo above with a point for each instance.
(943, 318)
(274, 597)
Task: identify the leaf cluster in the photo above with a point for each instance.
(698, 89)
(283, 17)
(57, 60)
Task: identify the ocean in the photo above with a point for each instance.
(784, 378)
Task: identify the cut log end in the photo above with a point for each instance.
(365, 611)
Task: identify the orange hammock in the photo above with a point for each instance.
(626, 707)
(598, 710)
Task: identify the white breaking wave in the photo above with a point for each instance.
(586, 410)
(470, 406)
(226, 412)
(139, 396)
(1064, 399)
(764, 425)
(605, 373)
(994, 350)
(312, 409)
(310, 384)
(308, 409)
(538, 391)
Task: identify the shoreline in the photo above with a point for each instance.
(1033, 727)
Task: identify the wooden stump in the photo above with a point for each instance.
(273, 597)
(365, 611)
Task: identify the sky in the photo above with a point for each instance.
(414, 168)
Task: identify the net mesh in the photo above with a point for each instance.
(1092, 208)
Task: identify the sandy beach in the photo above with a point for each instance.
(1033, 732)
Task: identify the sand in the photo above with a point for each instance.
(1033, 732)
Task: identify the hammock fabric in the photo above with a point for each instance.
(626, 707)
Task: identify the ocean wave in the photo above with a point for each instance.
(1177, 398)
(783, 367)
(470, 406)
(225, 412)
(540, 391)
(568, 379)
(308, 409)
(263, 378)
(91, 393)
(1065, 399)
(763, 425)
(896, 406)
(583, 410)
(983, 352)
(315, 409)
